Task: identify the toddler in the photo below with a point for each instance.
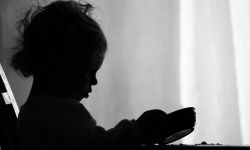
(62, 47)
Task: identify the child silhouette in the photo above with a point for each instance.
(62, 47)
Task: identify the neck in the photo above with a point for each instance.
(41, 87)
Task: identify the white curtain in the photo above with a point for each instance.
(167, 54)
(212, 71)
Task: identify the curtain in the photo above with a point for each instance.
(166, 54)
(209, 70)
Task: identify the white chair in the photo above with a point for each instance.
(8, 116)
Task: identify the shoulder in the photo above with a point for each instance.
(48, 121)
(46, 113)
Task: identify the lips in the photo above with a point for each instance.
(90, 90)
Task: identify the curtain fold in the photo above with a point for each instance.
(240, 18)
(214, 85)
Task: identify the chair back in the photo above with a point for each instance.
(8, 115)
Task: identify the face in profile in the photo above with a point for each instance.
(71, 75)
(87, 77)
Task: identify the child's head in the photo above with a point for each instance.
(60, 44)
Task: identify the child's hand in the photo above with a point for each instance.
(153, 124)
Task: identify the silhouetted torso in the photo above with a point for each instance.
(47, 122)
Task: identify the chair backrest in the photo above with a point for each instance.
(8, 116)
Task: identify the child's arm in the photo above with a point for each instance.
(149, 128)
(124, 135)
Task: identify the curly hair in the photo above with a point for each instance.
(51, 29)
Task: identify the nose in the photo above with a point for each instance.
(93, 80)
